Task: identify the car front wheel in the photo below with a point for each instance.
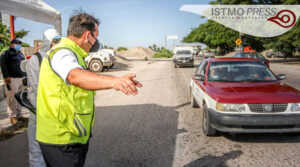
(208, 130)
(96, 66)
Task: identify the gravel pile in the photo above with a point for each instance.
(137, 52)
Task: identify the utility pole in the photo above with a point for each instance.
(166, 42)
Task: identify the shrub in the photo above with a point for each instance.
(122, 48)
(164, 53)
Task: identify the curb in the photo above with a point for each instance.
(143, 59)
(284, 60)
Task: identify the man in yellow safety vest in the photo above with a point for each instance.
(65, 99)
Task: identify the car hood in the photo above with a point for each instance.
(254, 92)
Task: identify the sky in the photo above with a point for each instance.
(126, 23)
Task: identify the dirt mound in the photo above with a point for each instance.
(137, 52)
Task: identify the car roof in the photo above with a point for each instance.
(231, 59)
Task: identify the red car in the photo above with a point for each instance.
(240, 95)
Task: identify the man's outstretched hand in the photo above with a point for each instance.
(127, 84)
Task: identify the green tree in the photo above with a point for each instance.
(122, 48)
(154, 47)
(213, 35)
(5, 36)
(20, 34)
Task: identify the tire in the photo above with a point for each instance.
(96, 65)
(175, 65)
(193, 100)
(207, 129)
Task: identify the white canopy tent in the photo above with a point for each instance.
(35, 10)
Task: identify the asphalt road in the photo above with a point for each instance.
(159, 128)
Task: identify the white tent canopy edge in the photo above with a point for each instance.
(35, 10)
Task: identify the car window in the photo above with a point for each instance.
(260, 56)
(183, 52)
(199, 68)
(239, 71)
(203, 70)
(247, 55)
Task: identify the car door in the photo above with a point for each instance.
(199, 92)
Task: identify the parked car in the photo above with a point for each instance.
(240, 95)
(209, 55)
(274, 54)
(183, 57)
(96, 61)
(253, 55)
(201, 53)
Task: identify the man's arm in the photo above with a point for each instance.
(91, 81)
(33, 71)
(65, 64)
(4, 67)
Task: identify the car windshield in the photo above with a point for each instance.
(183, 52)
(239, 71)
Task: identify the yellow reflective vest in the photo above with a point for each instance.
(65, 113)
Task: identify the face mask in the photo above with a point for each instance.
(96, 45)
(17, 47)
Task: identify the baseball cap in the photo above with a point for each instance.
(15, 41)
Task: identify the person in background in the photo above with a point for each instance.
(32, 68)
(13, 75)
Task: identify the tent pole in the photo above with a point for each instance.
(12, 27)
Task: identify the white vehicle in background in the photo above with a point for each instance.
(209, 54)
(183, 56)
(113, 53)
(97, 61)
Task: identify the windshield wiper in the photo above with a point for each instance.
(252, 80)
(222, 80)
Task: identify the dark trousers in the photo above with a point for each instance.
(64, 156)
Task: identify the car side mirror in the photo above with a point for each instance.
(281, 76)
(199, 77)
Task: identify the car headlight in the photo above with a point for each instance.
(295, 107)
(230, 107)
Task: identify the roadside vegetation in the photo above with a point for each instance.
(122, 48)
(217, 36)
(156, 48)
(163, 53)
